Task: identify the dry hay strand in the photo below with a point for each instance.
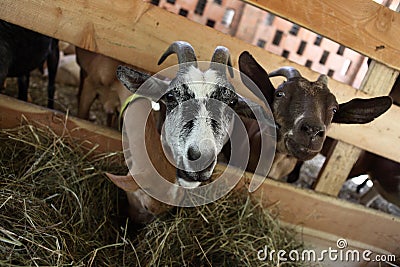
(228, 232)
(57, 208)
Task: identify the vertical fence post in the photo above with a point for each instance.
(379, 80)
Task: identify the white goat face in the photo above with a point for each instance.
(198, 117)
(198, 121)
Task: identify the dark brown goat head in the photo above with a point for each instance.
(303, 110)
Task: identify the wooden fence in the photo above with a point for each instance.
(137, 33)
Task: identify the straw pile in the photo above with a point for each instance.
(56, 206)
(228, 232)
(58, 209)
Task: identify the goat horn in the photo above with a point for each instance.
(323, 79)
(288, 72)
(221, 55)
(184, 51)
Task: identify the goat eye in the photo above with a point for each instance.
(170, 97)
(185, 86)
(280, 94)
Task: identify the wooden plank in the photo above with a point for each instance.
(137, 33)
(336, 168)
(329, 215)
(378, 81)
(362, 25)
(13, 110)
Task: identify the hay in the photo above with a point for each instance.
(58, 209)
(56, 206)
(228, 232)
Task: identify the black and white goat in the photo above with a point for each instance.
(198, 117)
(197, 125)
(23, 50)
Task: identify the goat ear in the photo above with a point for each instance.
(359, 111)
(133, 79)
(250, 67)
(242, 108)
(125, 182)
(249, 109)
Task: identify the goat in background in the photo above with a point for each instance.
(23, 50)
(303, 111)
(98, 80)
(384, 173)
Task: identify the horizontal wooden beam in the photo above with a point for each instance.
(329, 215)
(137, 33)
(362, 25)
(13, 111)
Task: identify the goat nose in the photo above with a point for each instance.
(313, 130)
(193, 153)
(319, 133)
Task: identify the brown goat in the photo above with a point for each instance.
(303, 111)
(384, 173)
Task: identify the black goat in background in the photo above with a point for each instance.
(23, 50)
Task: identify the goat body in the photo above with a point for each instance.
(142, 207)
(384, 173)
(21, 51)
(98, 80)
